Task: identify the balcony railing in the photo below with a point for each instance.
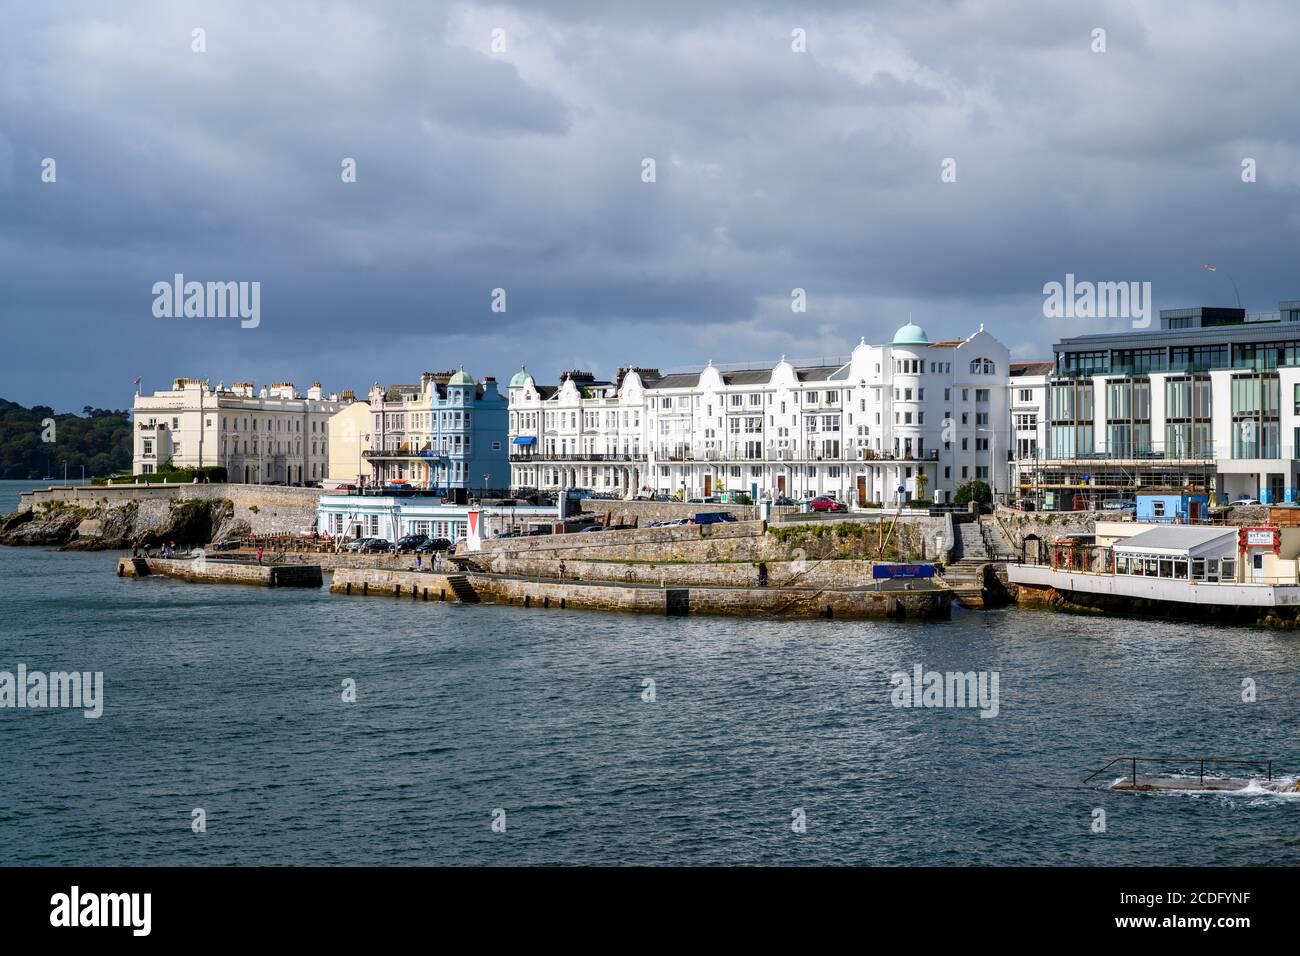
(545, 456)
(424, 454)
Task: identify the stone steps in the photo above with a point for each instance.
(464, 590)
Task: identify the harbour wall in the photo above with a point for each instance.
(643, 512)
(732, 541)
(200, 571)
(828, 573)
(921, 602)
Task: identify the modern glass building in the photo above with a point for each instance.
(1208, 401)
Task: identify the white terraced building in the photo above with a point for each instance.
(273, 435)
(914, 414)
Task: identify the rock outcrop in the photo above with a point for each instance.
(116, 526)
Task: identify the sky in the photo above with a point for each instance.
(504, 147)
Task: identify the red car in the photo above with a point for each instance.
(823, 503)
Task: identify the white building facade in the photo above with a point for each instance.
(918, 415)
(273, 435)
(345, 517)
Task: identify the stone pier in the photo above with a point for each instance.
(203, 571)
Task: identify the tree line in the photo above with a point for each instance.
(35, 442)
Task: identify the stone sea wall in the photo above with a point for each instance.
(643, 512)
(735, 541)
(831, 573)
(779, 603)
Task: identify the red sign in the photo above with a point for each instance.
(1259, 538)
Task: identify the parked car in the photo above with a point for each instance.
(376, 546)
(591, 528)
(783, 500)
(345, 487)
(824, 503)
(672, 523)
(713, 517)
(1243, 500)
(430, 545)
(411, 542)
(356, 544)
(1118, 504)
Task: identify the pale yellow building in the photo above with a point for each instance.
(349, 440)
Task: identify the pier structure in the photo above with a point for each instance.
(207, 571)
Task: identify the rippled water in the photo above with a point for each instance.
(229, 699)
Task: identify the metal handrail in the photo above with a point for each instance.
(1201, 760)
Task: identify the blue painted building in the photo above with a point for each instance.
(1173, 507)
(449, 431)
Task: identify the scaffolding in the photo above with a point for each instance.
(1080, 484)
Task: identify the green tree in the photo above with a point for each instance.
(973, 491)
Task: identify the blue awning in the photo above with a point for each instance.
(525, 439)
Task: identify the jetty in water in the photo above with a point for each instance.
(205, 570)
(1192, 778)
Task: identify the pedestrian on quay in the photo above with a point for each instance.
(561, 569)
(419, 561)
(259, 555)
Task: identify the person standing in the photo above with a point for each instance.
(259, 555)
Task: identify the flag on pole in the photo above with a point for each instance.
(135, 381)
(1210, 268)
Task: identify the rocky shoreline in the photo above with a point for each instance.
(117, 526)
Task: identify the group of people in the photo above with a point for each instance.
(168, 550)
(435, 563)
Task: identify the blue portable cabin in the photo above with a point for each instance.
(1175, 507)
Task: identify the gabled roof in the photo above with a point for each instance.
(818, 373)
(756, 376)
(677, 380)
(1031, 368)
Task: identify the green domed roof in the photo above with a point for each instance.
(911, 334)
(461, 378)
(520, 377)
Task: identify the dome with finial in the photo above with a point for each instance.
(519, 377)
(911, 334)
(461, 378)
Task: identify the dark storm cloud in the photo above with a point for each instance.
(521, 170)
